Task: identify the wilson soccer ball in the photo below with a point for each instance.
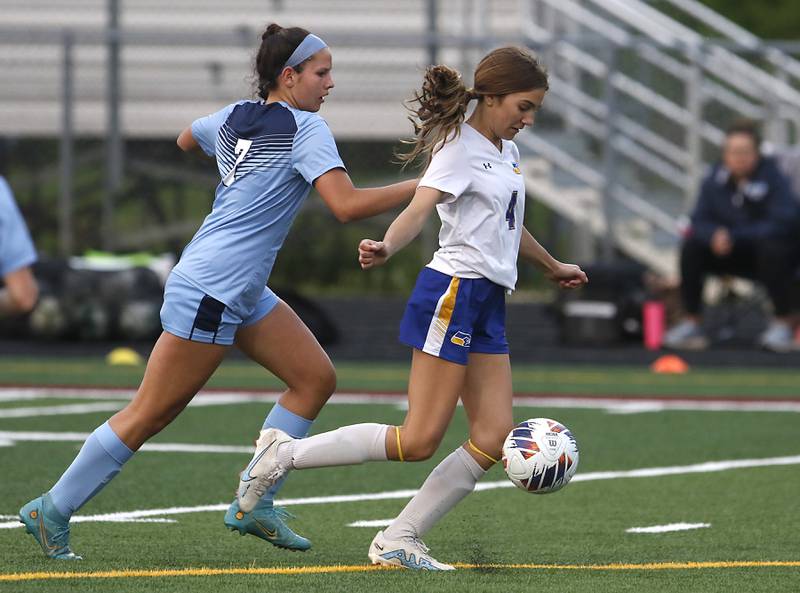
(540, 455)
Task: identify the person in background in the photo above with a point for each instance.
(742, 225)
(789, 162)
(19, 291)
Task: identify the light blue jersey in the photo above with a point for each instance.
(268, 156)
(16, 247)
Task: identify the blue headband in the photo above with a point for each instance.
(307, 48)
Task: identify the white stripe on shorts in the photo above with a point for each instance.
(441, 319)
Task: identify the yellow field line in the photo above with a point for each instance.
(643, 566)
(183, 572)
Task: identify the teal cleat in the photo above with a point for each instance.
(43, 521)
(266, 522)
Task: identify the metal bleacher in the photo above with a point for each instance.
(637, 105)
(186, 58)
(644, 99)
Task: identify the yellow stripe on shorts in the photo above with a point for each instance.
(441, 319)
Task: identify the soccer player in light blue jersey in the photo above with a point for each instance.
(20, 291)
(269, 153)
(455, 318)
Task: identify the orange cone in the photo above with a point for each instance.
(671, 364)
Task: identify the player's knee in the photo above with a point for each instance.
(318, 382)
(490, 441)
(328, 381)
(419, 447)
(323, 383)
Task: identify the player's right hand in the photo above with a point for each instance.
(371, 253)
(721, 242)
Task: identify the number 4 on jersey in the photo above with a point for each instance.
(511, 218)
(242, 146)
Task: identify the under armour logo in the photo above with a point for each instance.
(487, 165)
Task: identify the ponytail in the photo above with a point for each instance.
(277, 44)
(444, 98)
(437, 112)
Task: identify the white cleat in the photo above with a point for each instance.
(408, 552)
(264, 469)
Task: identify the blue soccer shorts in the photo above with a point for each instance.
(450, 317)
(191, 314)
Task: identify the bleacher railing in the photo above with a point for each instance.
(640, 99)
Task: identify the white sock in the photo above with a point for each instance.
(349, 445)
(445, 487)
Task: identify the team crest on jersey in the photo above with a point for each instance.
(461, 339)
(516, 168)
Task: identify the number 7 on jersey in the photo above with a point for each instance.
(242, 146)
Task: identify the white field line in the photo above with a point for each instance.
(705, 406)
(652, 529)
(10, 394)
(216, 398)
(12, 437)
(35, 411)
(118, 520)
(191, 448)
(371, 523)
(637, 405)
(667, 528)
(711, 466)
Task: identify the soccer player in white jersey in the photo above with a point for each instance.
(269, 153)
(455, 318)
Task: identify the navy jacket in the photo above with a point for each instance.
(765, 208)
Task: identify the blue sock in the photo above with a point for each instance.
(98, 461)
(293, 425)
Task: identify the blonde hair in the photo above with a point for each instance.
(439, 109)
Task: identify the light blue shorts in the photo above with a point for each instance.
(191, 314)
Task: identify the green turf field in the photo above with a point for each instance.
(574, 540)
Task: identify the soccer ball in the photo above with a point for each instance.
(540, 455)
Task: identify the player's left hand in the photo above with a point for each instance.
(568, 276)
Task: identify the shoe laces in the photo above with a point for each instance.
(418, 543)
(60, 537)
(282, 513)
(268, 480)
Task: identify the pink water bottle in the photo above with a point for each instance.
(653, 324)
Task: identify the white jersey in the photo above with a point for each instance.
(483, 209)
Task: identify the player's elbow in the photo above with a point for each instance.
(186, 141)
(24, 301)
(345, 210)
(343, 215)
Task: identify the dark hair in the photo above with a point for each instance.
(443, 99)
(747, 127)
(277, 45)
